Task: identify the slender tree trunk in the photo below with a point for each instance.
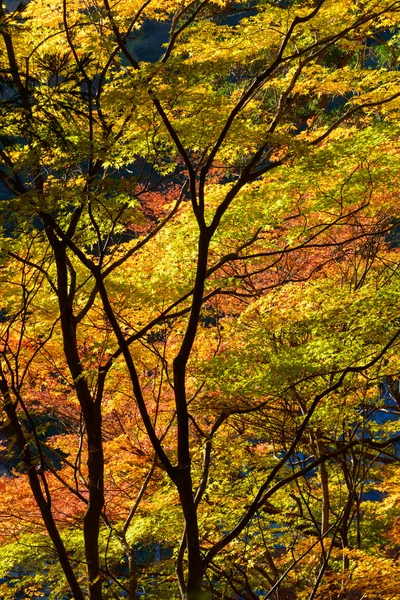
(184, 478)
(91, 410)
(344, 530)
(133, 581)
(195, 561)
(91, 521)
(43, 504)
(325, 491)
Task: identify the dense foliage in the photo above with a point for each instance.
(199, 291)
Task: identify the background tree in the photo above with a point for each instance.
(199, 270)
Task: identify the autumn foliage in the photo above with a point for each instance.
(199, 283)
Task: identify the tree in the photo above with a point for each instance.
(200, 276)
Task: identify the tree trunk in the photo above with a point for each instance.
(44, 507)
(91, 521)
(195, 561)
(325, 492)
(91, 411)
(132, 584)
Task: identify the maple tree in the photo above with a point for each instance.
(200, 298)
